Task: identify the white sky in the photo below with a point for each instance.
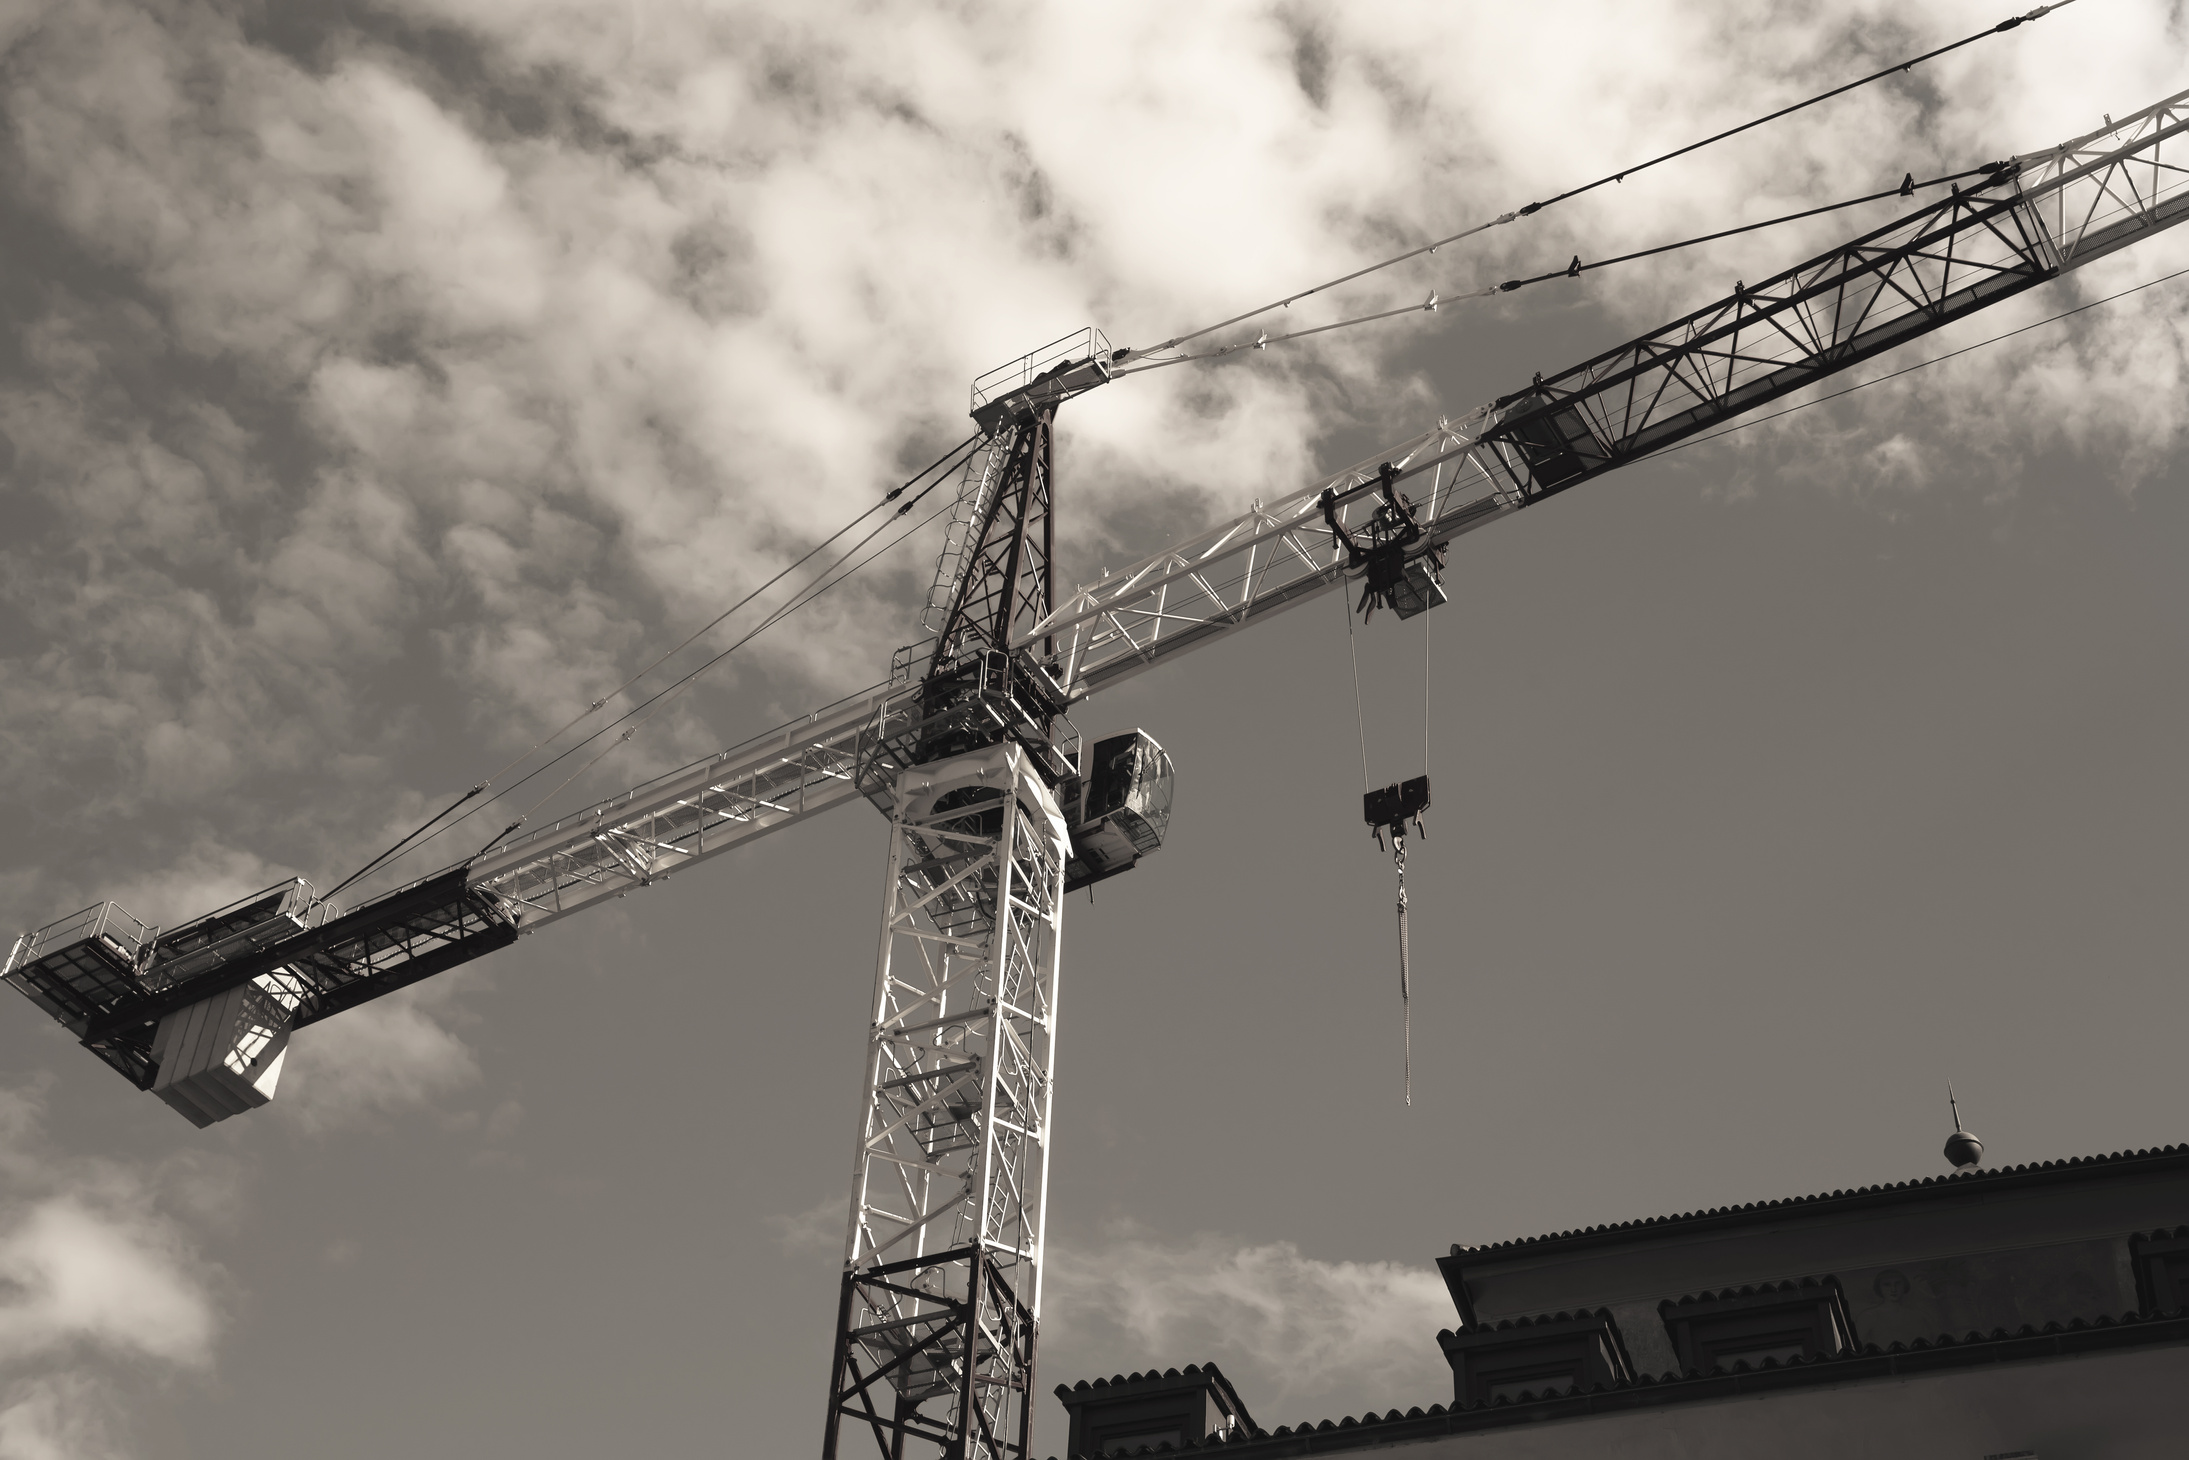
(381, 382)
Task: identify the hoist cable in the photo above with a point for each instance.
(1360, 721)
(1406, 973)
(1908, 187)
(947, 463)
(1436, 488)
(1426, 665)
(1620, 176)
(1925, 364)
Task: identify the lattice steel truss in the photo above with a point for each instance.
(678, 820)
(2042, 214)
(942, 1271)
(1009, 577)
(318, 967)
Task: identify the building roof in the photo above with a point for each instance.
(1154, 1380)
(1936, 1197)
(1932, 1188)
(1947, 1351)
(1546, 1320)
(1788, 1288)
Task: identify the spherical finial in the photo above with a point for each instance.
(1963, 1151)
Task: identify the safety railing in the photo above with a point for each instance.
(105, 921)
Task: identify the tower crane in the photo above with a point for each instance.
(995, 807)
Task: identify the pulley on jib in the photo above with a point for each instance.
(1398, 570)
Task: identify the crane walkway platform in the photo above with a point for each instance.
(111, 981)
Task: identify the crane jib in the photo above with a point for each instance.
(1761, 343)
(1837, 311)
(2067, 206)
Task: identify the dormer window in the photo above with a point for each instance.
(1778, 1324)
(1121, 1416)
(1536, 1357)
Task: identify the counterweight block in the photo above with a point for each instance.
(222, 1056)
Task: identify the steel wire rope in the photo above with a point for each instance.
(948, 461)
(1426, 665)
(1233, 582)
(661, 699)
(1908, 187)
(801, 599)
(716, 622)
(1406, 968)
(1622, 175)
(1236, 580)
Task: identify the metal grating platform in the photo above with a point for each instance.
(110, 980)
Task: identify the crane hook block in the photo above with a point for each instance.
(1392, 807)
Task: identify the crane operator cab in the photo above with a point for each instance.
(1117, 808)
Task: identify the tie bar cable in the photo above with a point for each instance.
(948, 462)
(1908, 187)
(1620, 176)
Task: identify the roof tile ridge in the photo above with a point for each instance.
(1915, 1184)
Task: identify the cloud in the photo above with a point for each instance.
(101, 1288)
(818, 1231)
(392, 378)
(82, 1274)
(382, 382)
(1286, 1327)
(389, 1055)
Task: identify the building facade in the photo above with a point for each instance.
(2037, 1311)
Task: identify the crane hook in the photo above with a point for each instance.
(1390, 809)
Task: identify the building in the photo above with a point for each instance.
(2036, 1311)
(1133, 1413)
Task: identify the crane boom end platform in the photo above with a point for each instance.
(201, 1014)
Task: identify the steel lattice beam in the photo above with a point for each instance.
(942, 1269)
(385, 945)
(1008, 579)
(2048, 213)
(655, 830)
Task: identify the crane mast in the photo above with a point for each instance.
(996, 809)
(941, 1297)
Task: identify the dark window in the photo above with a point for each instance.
(1777, 1343)
(1528, 1379)
(1751, 1325)
(2162, 1270)
(1127, 1444)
